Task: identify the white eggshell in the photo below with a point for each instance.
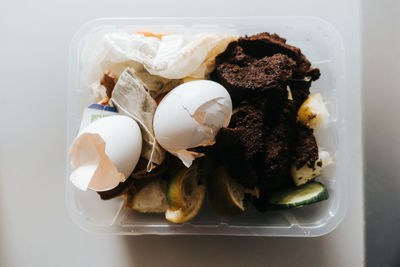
(191, 115)
(105, 153)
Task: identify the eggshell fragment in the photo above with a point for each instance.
(105, 153)
(190, 116)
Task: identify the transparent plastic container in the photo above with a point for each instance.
(322, 45)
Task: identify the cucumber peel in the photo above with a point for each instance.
(299, 196)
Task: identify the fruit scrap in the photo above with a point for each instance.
(225, 195)
(151, 34)
(185, 195)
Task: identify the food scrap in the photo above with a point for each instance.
(105, 153)
(190, 116)
(203, 114)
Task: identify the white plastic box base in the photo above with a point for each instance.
(319, 42)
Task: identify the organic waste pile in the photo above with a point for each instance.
(181, 118)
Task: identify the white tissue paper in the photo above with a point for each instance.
(173, 56)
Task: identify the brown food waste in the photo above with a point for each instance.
(263, 138)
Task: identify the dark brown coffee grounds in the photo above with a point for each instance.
(263, 139)
(305, 148)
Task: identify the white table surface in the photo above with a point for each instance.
(35, 229)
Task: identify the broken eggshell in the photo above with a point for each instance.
(190, 116)
(105, 153)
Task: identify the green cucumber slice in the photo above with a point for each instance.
(295, 197)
